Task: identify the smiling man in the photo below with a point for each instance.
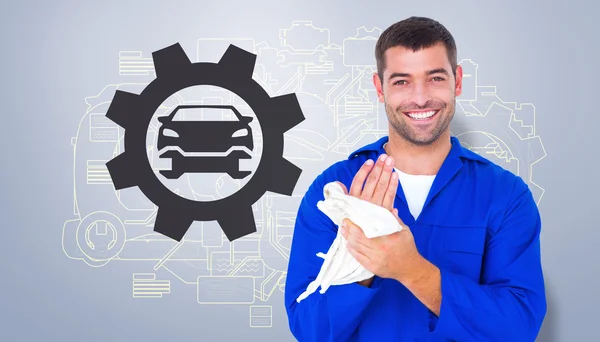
(466, 266)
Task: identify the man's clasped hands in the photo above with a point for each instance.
(392, 256)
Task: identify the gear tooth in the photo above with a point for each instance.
(172, 222)
(122, 173)
(121, 108)
(285, 179)
(289, 111)
(170, 61)
(238, 61)
(238, 225)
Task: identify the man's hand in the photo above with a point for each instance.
(392, 256)
(380, 187)
(381, 183)
(395, 255)
(385, 256)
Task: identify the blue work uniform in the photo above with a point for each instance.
(479, 225)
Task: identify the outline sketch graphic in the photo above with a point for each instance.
(333, 85)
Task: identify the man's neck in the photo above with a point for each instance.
(418, 160)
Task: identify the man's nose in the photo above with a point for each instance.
(420, 93)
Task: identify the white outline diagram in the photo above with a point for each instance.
(334, 87)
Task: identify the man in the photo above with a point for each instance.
(466, 266)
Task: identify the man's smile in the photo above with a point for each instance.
(421, 115)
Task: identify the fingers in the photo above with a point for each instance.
(376, 182)
(343, 187)
(390, 194)
(360, 257)
(384, 182)
(355, 236)
(356, 187)
(356, 243)
(373, 179)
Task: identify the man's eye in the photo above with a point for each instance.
(438, 79)
(401, 82)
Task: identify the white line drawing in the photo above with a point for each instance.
(334, 87)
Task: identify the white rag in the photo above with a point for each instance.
(339, 266)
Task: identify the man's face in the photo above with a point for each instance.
(419, 92)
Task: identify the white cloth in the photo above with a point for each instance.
(339, 266)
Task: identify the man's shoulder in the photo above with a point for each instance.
(492, 188)
(492, 174)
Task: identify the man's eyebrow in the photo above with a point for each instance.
(430, 72)
(398, 74)
(438, 71)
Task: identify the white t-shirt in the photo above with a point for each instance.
(416, 188)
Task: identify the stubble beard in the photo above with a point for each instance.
(399, 122)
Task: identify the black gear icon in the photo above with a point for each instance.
(174, 72)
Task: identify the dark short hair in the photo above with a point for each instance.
(414, 33)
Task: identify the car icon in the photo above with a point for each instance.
(205, 136)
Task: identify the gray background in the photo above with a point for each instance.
(56, 53)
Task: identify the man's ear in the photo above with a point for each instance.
(378, 87)
(458, 84)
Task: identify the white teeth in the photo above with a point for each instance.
(422, 115)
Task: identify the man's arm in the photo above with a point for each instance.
(509, 304)
(425, 283)
(334, 315)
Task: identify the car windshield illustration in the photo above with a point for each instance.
(205, 136)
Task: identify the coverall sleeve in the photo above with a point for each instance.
(509, 302)
(336, 314)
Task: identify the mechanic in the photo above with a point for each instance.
(467, 265)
